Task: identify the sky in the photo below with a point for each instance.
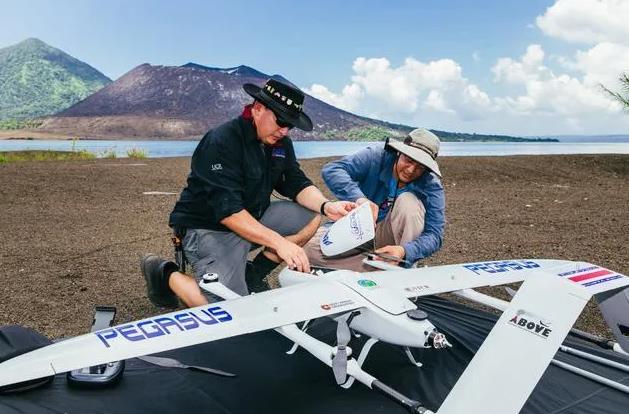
(517, 67)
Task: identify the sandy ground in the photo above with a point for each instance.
(73, 232)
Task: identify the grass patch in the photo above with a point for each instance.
(12, 124)
(137, 153)
(18, 156)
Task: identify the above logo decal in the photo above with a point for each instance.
(367, 283)
(531, 324)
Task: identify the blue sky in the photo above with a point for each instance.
(517, 67)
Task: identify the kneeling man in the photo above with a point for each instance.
(401, 182)
(225, 209)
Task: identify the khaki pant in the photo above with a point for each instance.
(405, 222)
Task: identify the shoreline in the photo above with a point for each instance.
(74, 231)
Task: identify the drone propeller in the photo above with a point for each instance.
(339, 360)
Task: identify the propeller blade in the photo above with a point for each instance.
(343, 334)
(339, 361)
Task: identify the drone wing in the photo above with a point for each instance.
(449, 278)
(182, 328)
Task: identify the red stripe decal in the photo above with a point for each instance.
(590, 275)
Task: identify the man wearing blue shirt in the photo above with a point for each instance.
(401, 182)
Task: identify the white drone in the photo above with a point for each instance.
(533, 325)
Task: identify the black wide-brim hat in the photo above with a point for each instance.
(285, 101)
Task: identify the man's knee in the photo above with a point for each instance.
(408, 205)
(311, 227)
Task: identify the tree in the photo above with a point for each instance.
(623, 95)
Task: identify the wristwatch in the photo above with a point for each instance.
(322, 209)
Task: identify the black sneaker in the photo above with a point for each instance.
(255, 283)
(256, 271)
(156, 272)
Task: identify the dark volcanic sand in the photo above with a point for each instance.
(73, 232)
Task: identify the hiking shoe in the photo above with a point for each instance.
(156, 272)
(255, 283)
(256, 271)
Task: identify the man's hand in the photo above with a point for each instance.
(394, 251)
(334, 210)
(372, 205)
(294, 256)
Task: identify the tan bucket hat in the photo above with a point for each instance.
(422, 146)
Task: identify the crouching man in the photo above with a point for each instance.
(401, 182)
(225, 209)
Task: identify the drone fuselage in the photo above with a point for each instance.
(387, 321)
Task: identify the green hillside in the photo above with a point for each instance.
(37, 79)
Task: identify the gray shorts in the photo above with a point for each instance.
(225, 253)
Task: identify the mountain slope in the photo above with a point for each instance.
(184, 102)
(37, 79)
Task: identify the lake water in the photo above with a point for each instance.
(311, 149)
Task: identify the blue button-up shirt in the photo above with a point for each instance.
(368, 172)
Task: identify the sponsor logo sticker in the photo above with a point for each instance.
(418, 288)
(330, 306)
(367, 283)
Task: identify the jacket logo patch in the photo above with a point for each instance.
(216, 167)
(278, 152)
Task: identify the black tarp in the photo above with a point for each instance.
(270, 381)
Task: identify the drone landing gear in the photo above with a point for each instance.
(293, 348)
(411, 358)
(361, 359)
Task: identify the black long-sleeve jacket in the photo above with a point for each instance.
(231, 171)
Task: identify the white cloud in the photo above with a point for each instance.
(527, 69)
(548, 93)
(587, 21)
(603, 63)
(537, 94)
(412, 87)
(348, 99)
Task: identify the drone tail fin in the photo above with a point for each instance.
(517, 351)
(519, 348)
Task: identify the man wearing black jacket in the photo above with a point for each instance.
(225, 208)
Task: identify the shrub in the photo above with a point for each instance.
(137, 153)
